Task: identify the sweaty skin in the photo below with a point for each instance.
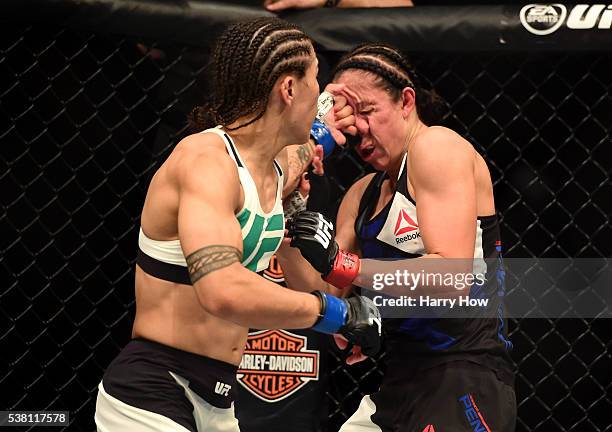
(194, 197)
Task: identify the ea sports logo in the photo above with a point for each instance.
(543, 19)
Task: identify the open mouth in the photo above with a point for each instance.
(367, 151)
(364, 150)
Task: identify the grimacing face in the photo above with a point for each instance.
(378, 118)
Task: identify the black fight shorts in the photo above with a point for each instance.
(458, 396)
(151, 387)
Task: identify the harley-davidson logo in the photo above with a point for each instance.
(276, 364)
(274, 272)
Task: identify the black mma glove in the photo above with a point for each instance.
(314, 236)
(356, 318)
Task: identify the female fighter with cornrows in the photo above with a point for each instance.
(430, 202)
(212, 218)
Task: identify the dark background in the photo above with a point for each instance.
(85, 119)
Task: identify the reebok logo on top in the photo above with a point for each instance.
(405, 224)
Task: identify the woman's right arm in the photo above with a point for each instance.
(212, 244)
(211, 240)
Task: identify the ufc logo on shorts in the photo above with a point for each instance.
(324, 230)
(222, 388)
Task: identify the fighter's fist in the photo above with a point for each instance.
(314, 236)
(356, 318)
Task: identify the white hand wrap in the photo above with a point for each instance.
(325, 103)
(293, 204)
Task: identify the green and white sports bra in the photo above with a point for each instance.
(262, 232)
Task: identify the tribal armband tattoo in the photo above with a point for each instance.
(210, 258)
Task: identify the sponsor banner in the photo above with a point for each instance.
(546, 18)
(510, 288)
(277, 364)
(558, 27)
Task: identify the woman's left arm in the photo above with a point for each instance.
(294, 161)
(442, 175)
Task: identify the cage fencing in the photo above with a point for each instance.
(86, 118)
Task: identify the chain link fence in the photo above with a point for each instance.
(85, 119)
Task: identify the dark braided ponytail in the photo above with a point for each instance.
(395, 73)
(247, 60)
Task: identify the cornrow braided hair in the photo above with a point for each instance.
(247, 60)
(395, 73)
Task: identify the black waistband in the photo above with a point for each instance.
(192, 360)
(148, 363)
(162, 270)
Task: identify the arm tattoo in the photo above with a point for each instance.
(211, 258)
(298, 161)
(304, 154)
